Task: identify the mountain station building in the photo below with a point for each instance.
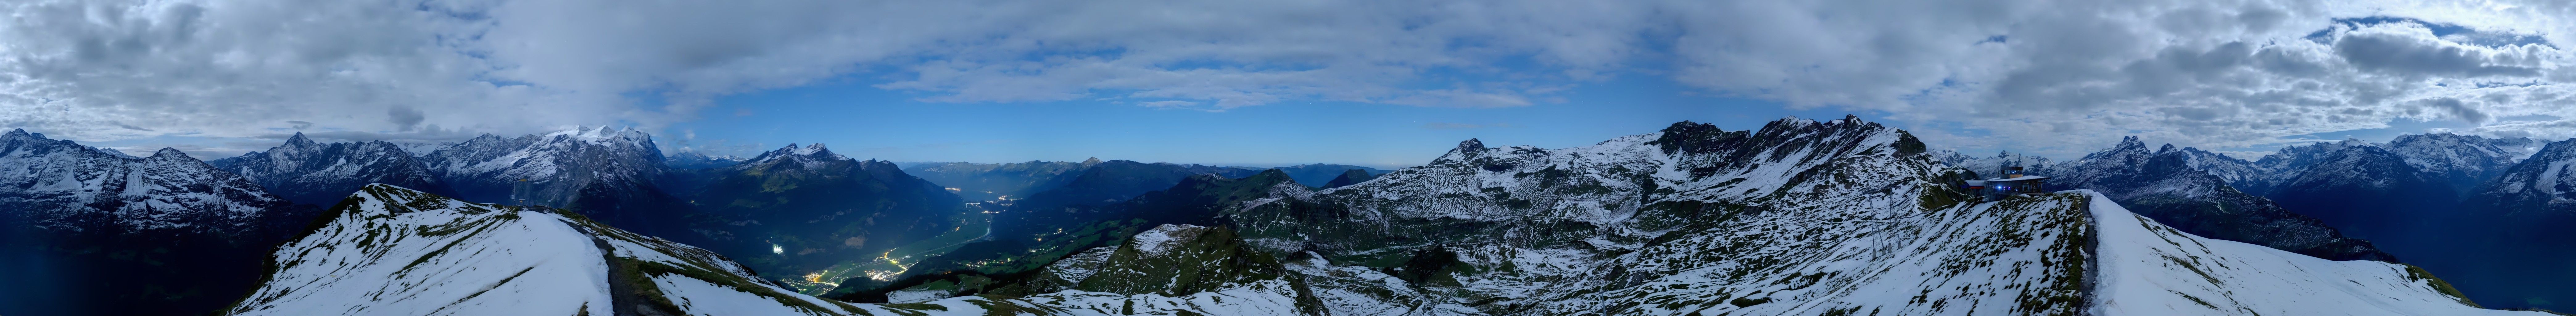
(2012, 182)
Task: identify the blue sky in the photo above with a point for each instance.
(856, 119)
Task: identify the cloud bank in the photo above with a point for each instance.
(2042, 74)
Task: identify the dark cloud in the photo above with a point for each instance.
(2404, 55)
(2458, 110)
(425, 134)
(405, 118)
(300, 125)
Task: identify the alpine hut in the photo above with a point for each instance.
(2012, 182)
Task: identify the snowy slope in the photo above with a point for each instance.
(2150, 269)
(1172, 269)
(394, 251)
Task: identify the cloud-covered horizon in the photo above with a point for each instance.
(2024, 74)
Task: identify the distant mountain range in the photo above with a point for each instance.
(2458, 205)
(1691, 220)
(1021, 179)
(1321, 175)
(1832, 217)
(309, 172)
(2167, 185)
(989, 181)
(692, 160)
(800, 209)
(85, 230)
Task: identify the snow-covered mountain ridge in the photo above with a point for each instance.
(2150, 269)
(1837, 217)
(556, 167)
(63, 186)
(316, 173)
(394, 251)
(2188, 189)
(93, 231)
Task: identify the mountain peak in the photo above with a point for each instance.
(299, 140)
(813, 149)
(1687, 136)
(114, 152)
(604, 134)
(169, 153)
(2129, 147)
(1471, 145)
(2166, 149)
(1687, 126)
(15, 133)
(1093, 160)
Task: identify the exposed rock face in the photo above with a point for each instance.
(1322, 175)
(315, 173)
(2462, 161)
(1354, 176)
(95, 231)
(607, 174)
(553, 169)
(63, 186)
(2511, 235)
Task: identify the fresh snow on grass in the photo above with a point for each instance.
(442, 261)
(2149, 269)
(403, 252)
(701, 298)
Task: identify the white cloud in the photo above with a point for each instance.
(2047, 75)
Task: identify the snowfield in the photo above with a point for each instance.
(2149, 269)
